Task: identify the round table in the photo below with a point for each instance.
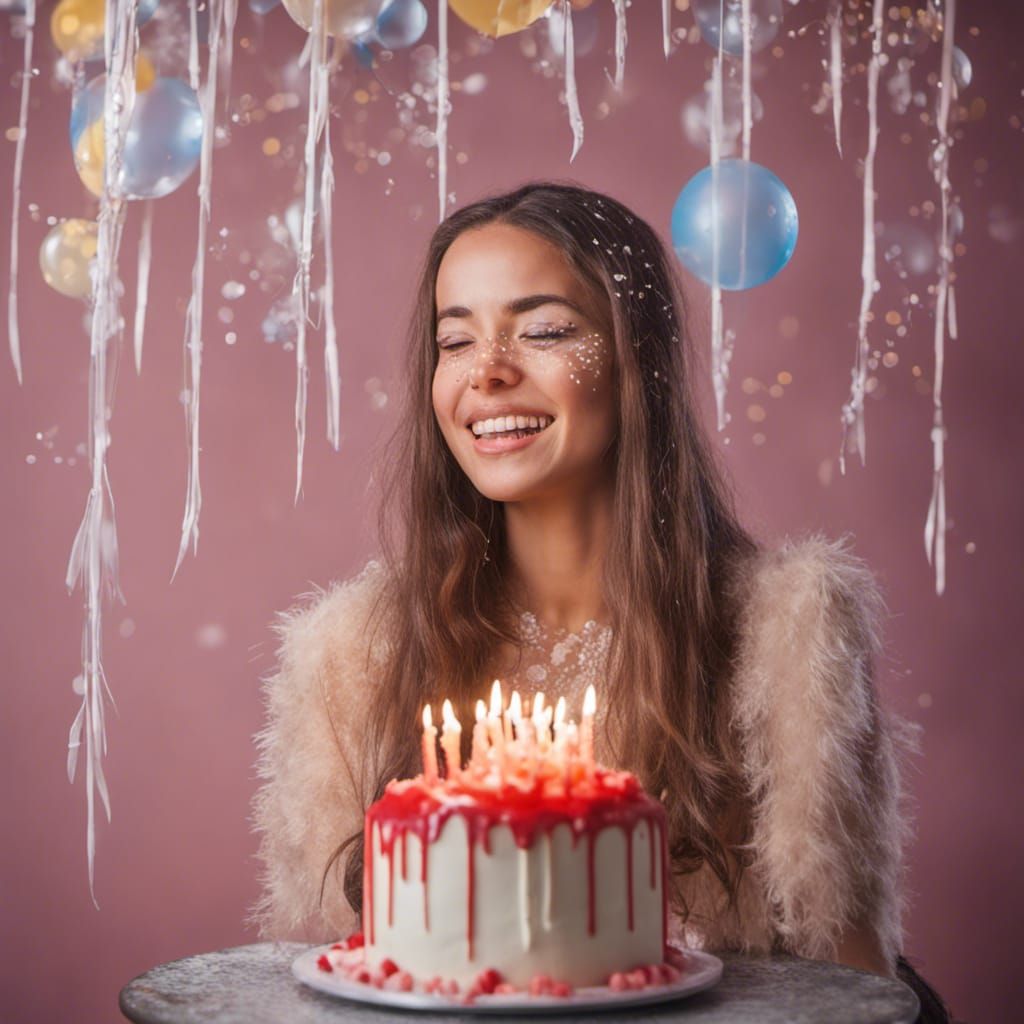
(254, 985)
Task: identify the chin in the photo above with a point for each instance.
(497, 488)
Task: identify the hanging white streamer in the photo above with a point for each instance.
(13, 336)
(666, 26)
(745, 25)
(835, 19)
(721, 342)
(193, 45)
(441, 129)
(620, 43)
(853, 410)
(330, 328)
(142, 280)
(93, 560)
(572, 100)
(194, 314)
(945, 313)
(316, 118)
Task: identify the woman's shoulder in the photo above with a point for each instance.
(331, 630)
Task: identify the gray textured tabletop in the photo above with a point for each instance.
(254, 985)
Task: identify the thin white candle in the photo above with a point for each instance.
(451, 740)
(587, 729)
(429, 747)
(478, 758)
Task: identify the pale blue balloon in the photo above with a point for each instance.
(164, 137)
(723, 20)
(400, 24)
(757, 224)
(262, 6)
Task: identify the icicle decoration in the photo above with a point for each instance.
(194, 314)
(572, 100)
(316, 118)
(620, 43)
(853, 410)
(330, 328)
(193, 45)
(945, 313)
(835, 21)
(441, 130)
(93, 560)
(745, 25)
(721, 346)
(666, 26)
(142, 280)
(13, 336)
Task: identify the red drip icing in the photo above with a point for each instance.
(526, 807)
(405, 857)
(390, 854)
(368, 881)
(664, 882)
(471, 886)
(629, 876)
(423, 879)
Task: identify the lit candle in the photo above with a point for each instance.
(494, 730)
(587, 729)
(514, 709)
(572, 748)
(478, 759)
(539, 719)
(429, 748)
(451, 740)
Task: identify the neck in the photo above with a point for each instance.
(557, 548)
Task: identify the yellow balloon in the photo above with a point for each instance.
(77, 27)
(499, 17)
(65, 257)
(347, 18)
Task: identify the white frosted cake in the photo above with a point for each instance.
(532, 868)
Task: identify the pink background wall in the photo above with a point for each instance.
(175, 872)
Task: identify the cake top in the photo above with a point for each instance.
(524, 763)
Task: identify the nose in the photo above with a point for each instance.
(494, 367)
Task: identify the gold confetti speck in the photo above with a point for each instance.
(893, 318)
(756, 413)
(785, 378)
(271, 146)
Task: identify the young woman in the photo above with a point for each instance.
(553, 517)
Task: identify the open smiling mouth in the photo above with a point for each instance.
(509, 427)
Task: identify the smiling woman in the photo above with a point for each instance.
(553, 516)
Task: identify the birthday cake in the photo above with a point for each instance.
(531, 868)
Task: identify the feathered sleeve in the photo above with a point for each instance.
(821, 757)
(311, 760)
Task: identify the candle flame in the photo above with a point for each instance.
(448, 716)
(515, 708)
(590, 700)
(481, 710)
(560, 712)
(538, 709)
(428, 719)
(496, 699)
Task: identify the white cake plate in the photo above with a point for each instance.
(701, 971)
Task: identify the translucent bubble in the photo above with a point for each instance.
(232, 290)
(280, 324)
(585, 27)
(211, 636)
(724, 18)
(695, 116)
(908, 249)
(962, 70)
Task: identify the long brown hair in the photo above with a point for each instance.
(667, 573)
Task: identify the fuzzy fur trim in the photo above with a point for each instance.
(821, 759)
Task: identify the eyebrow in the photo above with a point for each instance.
(516, 306)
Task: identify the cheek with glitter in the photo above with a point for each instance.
(585, 360)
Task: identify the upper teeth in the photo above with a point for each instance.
(503, 423)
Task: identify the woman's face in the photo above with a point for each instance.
(523, 388)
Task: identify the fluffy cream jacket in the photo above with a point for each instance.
(821, 759)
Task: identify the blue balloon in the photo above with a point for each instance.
(363, 49)
(164, 137)
(145, 11)
(757, 225)
(262, 6)
(400, 24)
